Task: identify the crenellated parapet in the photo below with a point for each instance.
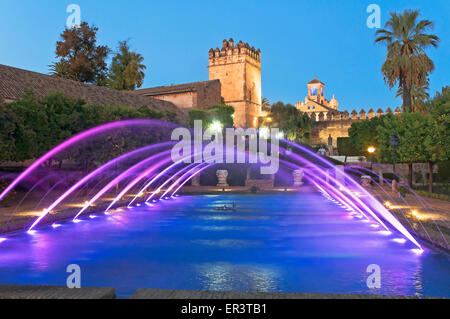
(352, 116)
(231, 51)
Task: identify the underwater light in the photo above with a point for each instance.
(92, 216)
(385, 232)
(2, 240)
(399, 240)
(55, 225)
(76, 221)
(375, 226)
(417, 251)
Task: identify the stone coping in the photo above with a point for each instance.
(60, 292)
(202, 294)
(55, 292)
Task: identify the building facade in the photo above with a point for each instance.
(315, 101)
(238, 67)
(187, 96)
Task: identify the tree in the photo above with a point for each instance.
(362, 135)
(294, 124)
(265, 104)
(419, 95)
(199, 114)
(80, 56)
(222, 113)
(437, 142)
(127, 70)
(412, 130)
(29, 127)
(406, 61)
(61, 69)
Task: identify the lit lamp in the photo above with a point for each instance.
(216, 126)
(371, 150)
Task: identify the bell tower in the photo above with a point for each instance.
(238, 67)
(316, 91)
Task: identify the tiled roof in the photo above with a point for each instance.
(178, 88)
(14, 82)
(315, 81)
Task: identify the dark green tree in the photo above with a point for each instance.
(127, 70)
(294, 124)
(80, 57)
(406, 62)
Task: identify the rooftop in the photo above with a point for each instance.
(177, 88)
(14, 82)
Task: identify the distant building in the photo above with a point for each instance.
(234, 75)
(238, 67)
(189, 95)
(315, 101)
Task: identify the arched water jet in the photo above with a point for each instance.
(117, 180)
(74, 140)
(86, 179)
(378, 206)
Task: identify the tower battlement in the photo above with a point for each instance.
(230, 50)
(238, 67)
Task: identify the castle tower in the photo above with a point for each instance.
(238, 67)
(316, 91)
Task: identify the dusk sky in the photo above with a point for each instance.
(298, 39)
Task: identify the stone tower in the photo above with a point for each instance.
(238, 67)
(316, 91)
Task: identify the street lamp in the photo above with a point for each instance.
(216, 126)
(371, 150)
(394, 143)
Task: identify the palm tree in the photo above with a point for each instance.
(61, 69)
(419, 94)
(127, 70)
(406, 61)
(265, 104)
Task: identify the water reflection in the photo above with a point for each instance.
(277, 242)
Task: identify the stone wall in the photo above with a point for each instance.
(238, 67)
(337, 123)
(187, 96)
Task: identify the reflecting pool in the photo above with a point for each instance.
(273, 242)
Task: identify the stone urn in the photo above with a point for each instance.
(298, 177)
(365, 180)
(222, 178)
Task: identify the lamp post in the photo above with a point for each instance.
(394, 143)
(371, 150)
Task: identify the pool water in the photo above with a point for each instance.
(274, 242)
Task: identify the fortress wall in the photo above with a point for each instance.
(321, 130)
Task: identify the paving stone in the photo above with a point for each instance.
(196, 294)
(55, 292)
